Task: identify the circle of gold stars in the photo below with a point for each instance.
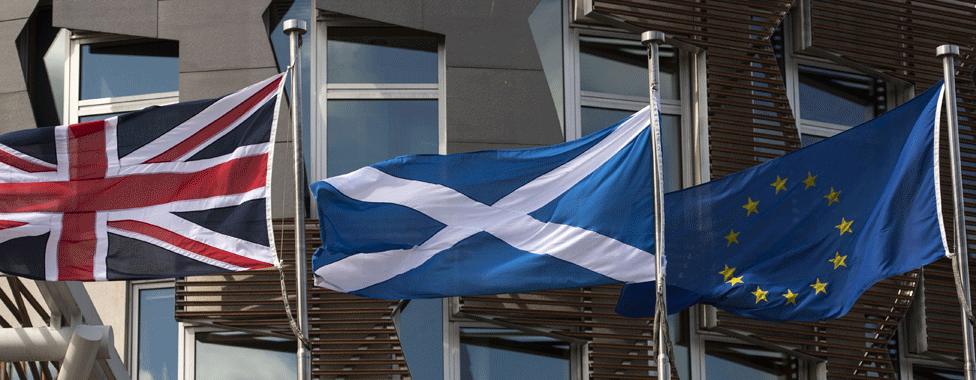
(751, 206)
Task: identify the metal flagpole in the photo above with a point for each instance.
(653, 40)
(295, 28)
(960, 260)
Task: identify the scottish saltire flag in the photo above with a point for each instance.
(571, 215)
(802, 236)
(164, 192)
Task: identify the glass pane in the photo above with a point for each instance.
(240, 356)
(546, 22)
(839, 97)
(355, 57)
(129, 68)
(421, 332)
(737, 361)
(678, 329)
(361, 132)
(931, 373)
(807, 139)
(594, 119)
(495, 353)
(103, 116)
(617, 66)
(158, 333)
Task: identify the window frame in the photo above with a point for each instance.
(691, 108)
(455, 320)
(132, 323)
(795, 46)
(325, 91)
(76, 108)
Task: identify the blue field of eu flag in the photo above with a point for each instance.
(801, 237)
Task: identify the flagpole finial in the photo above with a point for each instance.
(294, 25)
(652, 36)
(947, 49)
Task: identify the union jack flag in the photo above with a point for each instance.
(168, 191)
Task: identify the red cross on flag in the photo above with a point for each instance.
(164, 192)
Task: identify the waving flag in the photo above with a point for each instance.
(802, 236)
(164, 192)
(571, 215)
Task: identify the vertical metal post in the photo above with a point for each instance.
(653, 40)
(960, 261)
(295, 28)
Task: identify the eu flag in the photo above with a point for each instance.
(801, 237)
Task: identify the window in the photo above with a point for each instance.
(153, 331)
(236, 355)
(420, 326)
(828, 98)
(612, 85)
(381, 94)
(738, 361)
(111, 75)
(498, 353)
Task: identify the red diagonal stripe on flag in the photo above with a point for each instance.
(187, 244)
(6, 224)
(201, 136)
(22, 164)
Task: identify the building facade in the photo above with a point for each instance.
(743, 81)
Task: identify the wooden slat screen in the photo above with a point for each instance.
(352, 337)
(899, 38)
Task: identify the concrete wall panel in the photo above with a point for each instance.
(500, 106)
(217, 34)
(129, 17)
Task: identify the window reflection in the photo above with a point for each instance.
(157, 334)
(496, 353)
(361, 132)
(739, 361)
(594, 119)
(839, 97)
(235, 355)
(82, 119)
(932, 373)
(370, 56)
(113, 69)
(421, 331)
(616, 66)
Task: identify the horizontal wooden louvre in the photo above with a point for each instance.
(351, 337)
(745, 91)
(618, 348)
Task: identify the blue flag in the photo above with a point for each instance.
(802, 236)
(577, 214)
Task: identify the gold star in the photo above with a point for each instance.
(751, 206)
(819, 287)
(811, 181)
(734, 280)
(790, 297)
(838, 260)
(832, 197)
(760, 294)
(732, 237)
(727, 272)
(845, 226)
(779, 184)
